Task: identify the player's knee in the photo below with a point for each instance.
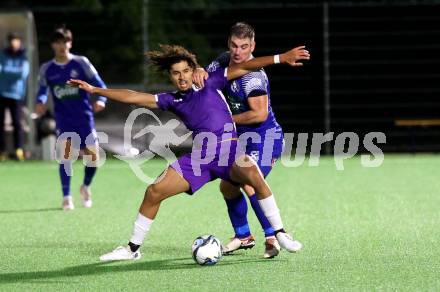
(92, 155)
(153, 194)
(229, 191)
(95, 157)
(259, 185)
(224, 189)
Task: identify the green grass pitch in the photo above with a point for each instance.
(368, 229)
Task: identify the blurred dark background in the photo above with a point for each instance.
(374, 67)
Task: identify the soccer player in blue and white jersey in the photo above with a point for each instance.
(249, 100)
(203, 112)
(72, 108)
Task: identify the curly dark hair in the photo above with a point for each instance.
(170, 55)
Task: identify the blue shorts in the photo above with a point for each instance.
(265, 153)
(81, 136)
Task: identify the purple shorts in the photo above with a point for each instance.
(211, 162)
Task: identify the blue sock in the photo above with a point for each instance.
(267, 228)
(65, 178)
(237, 210)
(89, 173)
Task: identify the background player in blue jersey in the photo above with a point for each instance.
(249, 100)
(14, 71)
(203, 111)
(73, 110)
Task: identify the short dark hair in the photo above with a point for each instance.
(242, 30)
(13, 36)
(61, 33)
(170, 55)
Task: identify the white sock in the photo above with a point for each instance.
(271, 211)
(140, 229)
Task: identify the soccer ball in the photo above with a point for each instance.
(206, 250)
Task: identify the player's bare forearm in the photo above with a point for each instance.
(249, 117)
(257, 112)
(238, 70)
(121, 95)
(292, 57)
(128, 96)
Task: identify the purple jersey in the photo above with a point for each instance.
(239, 90)
(71, 105)
(203, 110)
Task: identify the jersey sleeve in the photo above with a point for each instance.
(25, 70)
(43, 87)
(255, 84)
(218, 78)
(164, 101)
(92, 76)
(222, 61)
(97, 82)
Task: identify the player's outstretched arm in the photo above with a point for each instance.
(122, 95)
(292, 57)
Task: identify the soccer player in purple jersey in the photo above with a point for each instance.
(203, 112)
(73, 110)
(249, 99)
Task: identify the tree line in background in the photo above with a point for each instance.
(110, 32)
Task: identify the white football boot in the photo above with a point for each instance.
(288, 243)
(86, 196)
(121, 253)
(272, 247)
(238, 243)
(68, 203)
